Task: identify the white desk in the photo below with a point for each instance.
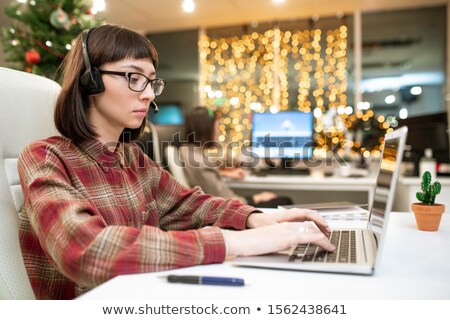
(415, 265)
(310, 189)
(341, 188)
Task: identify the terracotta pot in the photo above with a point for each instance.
(428, 216)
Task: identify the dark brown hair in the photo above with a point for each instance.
(200, 125)
(106, 43)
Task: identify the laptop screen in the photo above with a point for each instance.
(387, 178)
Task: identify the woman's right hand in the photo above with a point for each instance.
(273, 238)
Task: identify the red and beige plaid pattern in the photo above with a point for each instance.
(91, 214)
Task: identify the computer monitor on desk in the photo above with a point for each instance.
(285, 137)
(428, 131)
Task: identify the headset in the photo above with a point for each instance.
(91, 81)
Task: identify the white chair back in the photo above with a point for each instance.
(175, 165)
(26, 114)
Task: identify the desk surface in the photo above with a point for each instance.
(308, 189)
(415, 265)
(299, 182)
(445, 181)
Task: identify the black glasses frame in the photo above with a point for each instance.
(128, 76)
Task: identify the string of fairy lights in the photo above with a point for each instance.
(251, 73)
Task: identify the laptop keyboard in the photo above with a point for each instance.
(343, 240)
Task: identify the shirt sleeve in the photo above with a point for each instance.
(182, 208)
(185, 208)
(86, 249)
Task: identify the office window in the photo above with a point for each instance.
(404, 61)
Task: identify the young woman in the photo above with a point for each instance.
(202, 130)
(97, 207)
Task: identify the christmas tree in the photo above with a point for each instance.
(43, 31)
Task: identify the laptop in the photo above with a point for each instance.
(358, 250)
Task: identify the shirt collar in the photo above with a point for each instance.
(104, 157)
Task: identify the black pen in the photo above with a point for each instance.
(218, 281)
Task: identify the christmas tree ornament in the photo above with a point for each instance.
(32, 56)
(60, 19)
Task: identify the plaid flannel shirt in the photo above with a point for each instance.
(91, 214)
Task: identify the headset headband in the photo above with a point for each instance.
(84, 43)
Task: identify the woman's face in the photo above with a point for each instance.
(118, 107)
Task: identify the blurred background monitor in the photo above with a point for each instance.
(285, 135)
(428, 131)
(168, 114)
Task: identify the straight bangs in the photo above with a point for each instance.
(106, 46)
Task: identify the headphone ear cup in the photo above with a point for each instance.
(91, 82)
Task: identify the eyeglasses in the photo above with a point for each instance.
(138, 82)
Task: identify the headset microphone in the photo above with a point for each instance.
(154, 106)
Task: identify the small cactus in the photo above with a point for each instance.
(429, 191)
